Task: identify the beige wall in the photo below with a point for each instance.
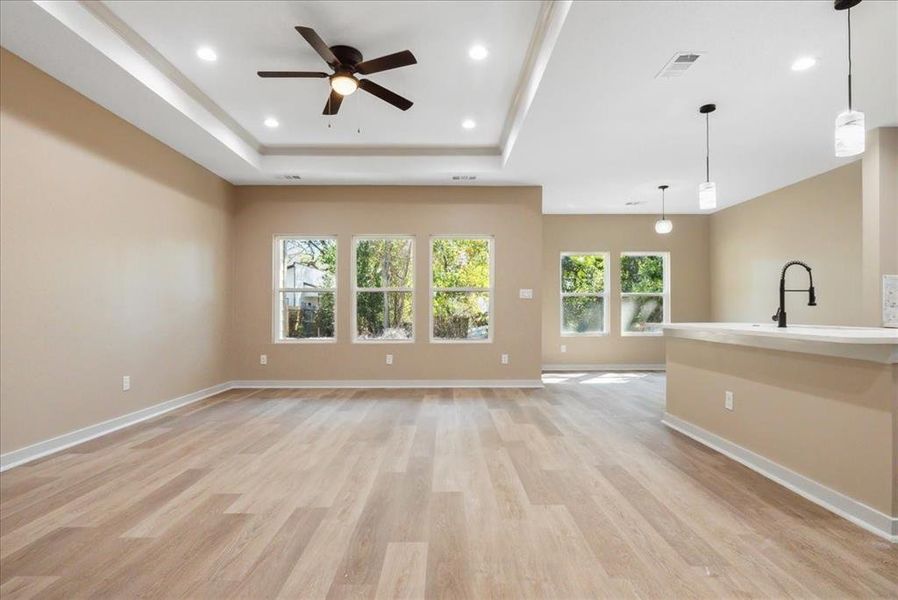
(817, 220)
(880, 221)
(689, 273)
(114, 260)
(511, 214)
(829, 419)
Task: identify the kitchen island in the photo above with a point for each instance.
(813, 408)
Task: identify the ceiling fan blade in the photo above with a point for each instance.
(385, 94)
(318, 44)
(333, 104)
(292, 74)
(385, 63)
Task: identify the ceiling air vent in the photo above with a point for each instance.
(292, 177)
(634, 202)
(679, 64)
(464, 177)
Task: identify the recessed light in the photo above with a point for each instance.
(207, 54)
(469, 124)
(478, 52)
(271, 122)
(804, 63)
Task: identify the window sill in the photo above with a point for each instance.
(586, 335)
(307, 341)
(376, 342)
(642, 333)
(451, 342)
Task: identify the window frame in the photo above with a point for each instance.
(355, 289)
(277, 290)
(491, 290)
(665, 294)
(606, 305)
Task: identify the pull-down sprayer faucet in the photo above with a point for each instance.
(780, 316)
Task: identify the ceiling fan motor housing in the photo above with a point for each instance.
(347, 55)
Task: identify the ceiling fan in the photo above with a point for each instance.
(346, 62)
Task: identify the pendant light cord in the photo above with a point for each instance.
(663, 217)
(849, 59)
(707, 147)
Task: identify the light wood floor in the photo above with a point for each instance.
(575, 491)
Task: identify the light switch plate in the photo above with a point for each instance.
(126, 383)
(525, 294)
(504, 359)
(728, 400)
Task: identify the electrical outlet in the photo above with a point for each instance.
(126, 383)
(263, 359)
(728, 400)
(389, 359)
(504, 359)
(563, 348)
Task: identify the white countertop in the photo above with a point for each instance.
(876, 344)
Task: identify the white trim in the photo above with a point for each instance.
(491, 290)
(386, 383)
(355, 290)
(606, 367)
(665, 294)
(604, 295)
(277, 289)
(551, 18)
(73, 438)
(857, 512)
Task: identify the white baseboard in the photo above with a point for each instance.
(388, 383)
(73, 438)
(857, 512)
(606, 367)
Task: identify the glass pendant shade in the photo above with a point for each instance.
(850, 133)
(663, 226)
(707, 195)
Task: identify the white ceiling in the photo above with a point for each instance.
(446, 85)
(567, 99)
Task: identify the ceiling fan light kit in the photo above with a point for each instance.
(344, 84)
(347, 62)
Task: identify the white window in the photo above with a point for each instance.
(305, 289)
(383, 288)
(584, 285)
(461, 286)
(645, 292)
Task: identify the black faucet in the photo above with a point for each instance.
(780, 316)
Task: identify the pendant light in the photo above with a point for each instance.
(707, 191)
(850, 123)
(663, 225)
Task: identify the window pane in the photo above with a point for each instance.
(384, 315)
(642, 274)
(642, 314)
(582, 314)
(384, 263)
(583, 273)
(461, 263)
(308, 263)
(461, 315)
(307, 315)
